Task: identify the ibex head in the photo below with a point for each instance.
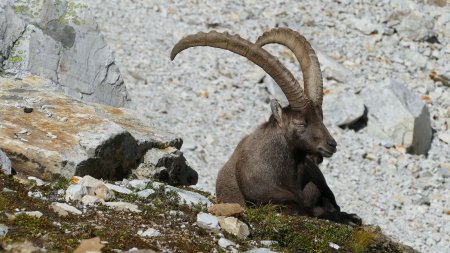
(303, 129)
(303, 126)
(301, 122)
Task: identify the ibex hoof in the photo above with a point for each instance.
(351, 219)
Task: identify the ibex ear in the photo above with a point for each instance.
(276, 110)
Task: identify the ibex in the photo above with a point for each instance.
(273, 164)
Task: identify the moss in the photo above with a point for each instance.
(295, 233)
(179, 232)
(15, 59)
(362, 239)
(21, 9)
(32, 225)
(61, 183)
(4, 203)
(70, 14)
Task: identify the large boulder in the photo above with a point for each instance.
(45, 133)
(60, 41)
(342, 108)
(398, 116)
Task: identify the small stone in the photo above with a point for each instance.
(268, 242)
(138, 184)
(5, 163)
(188, 197)
(75, 192)
(224, 243)
(334, 245)
(66, 207)
(135, 250)
(260, 250)
(226, 209)
(123, 206)
(27, 110)
(89, 245)
(208, 221)
(175, 213)
(7, 190)
(23, 131)
(145, 193)
(365, 25)
(444, 172)
(90, 200)
(88, 181)
(119, 189)
(37, 195)
(415, 26)
(36, 214)
(151, 232)
(22, 247)
(38, 181)
(102, 192)
(370, 156)
(58, 210)
(234, 226)
(445, 137)
(424, 200)
(3, 230)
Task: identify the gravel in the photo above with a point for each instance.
(212, 98)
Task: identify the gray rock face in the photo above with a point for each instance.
(60, 41)
(342, 108)
(5, 163)
(11, 28)
(398, 116)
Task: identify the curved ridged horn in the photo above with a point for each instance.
(305, 55)
(282, 76)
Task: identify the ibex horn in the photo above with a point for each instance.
(282, 76)
(305, 55)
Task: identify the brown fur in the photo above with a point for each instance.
(271, 166)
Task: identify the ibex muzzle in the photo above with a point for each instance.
(273, 164)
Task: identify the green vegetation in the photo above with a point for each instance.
(21, 9)
(176, 222)
(294, 233)
(303, 234)
(70, 14)
(15, 59)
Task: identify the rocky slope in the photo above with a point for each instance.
(213, 98)
(89, 214)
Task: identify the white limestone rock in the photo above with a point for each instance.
(66, 207)
(5, 163)
(123, 206)
(342, 108)
(397, 115)
(208, 221)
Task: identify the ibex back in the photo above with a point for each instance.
(273, 164)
